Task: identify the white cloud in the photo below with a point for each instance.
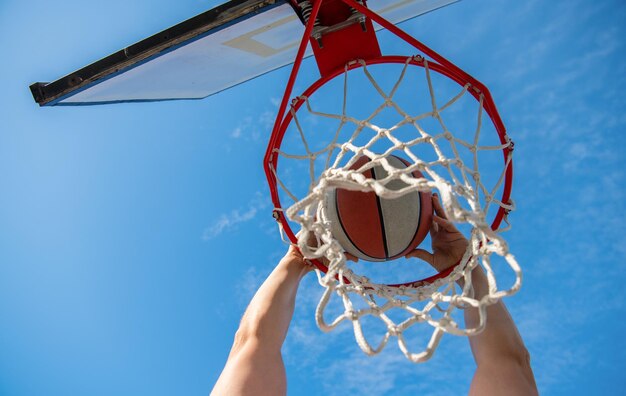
(266, 119)
(243, 129)
(253, 128)
(231, 220)
(275, 101)
(236, 133)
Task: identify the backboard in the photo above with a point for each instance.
(220, 48)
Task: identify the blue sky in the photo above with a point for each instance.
(132, 236)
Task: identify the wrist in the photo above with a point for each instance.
(479, 282)
(294, 260)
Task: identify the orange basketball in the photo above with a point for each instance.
(379, 229)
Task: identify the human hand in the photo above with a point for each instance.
(448, 244)
(294, 254)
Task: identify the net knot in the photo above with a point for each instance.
(352, 315)
(445, 322)
(399, 303)
(510, 143)
(296, 100)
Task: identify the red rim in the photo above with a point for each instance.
(439, 65)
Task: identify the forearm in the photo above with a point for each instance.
(255, 365)
(500, 337)
(269, 313)
(502, 359)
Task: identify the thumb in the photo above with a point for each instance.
(422, 254)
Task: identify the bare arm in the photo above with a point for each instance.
(503, 363)
(255, 365)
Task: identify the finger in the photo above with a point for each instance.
(434, 228)
(351, 257)
(422, 254)
(437, 206)
(445, 224)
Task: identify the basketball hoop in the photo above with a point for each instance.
(325, 144)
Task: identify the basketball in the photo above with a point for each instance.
(379, 229)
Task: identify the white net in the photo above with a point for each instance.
(401, 108)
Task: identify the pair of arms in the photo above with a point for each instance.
(255, 365)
